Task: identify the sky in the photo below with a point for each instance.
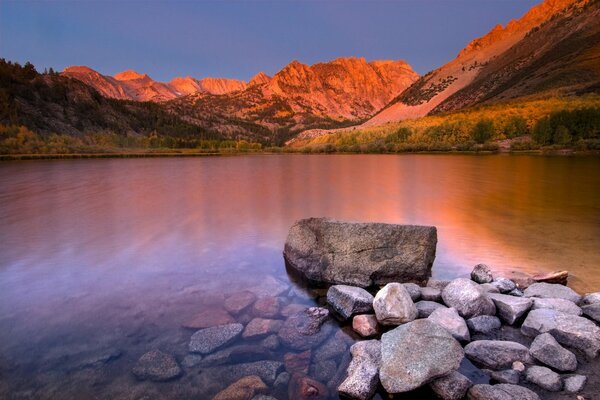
(237, 39)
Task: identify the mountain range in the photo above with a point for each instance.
(553, 50)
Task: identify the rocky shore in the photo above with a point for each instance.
(382, 327)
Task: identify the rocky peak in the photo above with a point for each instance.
(221, 85)
(130, 75)
(259, 79)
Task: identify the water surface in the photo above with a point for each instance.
(113, 255)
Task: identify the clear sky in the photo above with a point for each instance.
(236, 39)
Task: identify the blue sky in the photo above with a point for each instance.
(236, 39)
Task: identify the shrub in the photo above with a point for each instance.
(483, 131)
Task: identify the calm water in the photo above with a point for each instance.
(103, 260)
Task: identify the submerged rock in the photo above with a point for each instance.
(239, 301)
(297, 363)
(449, 319)
(260, 327)
(266, 307)
(214, 379)
(484, 324)
(546, 349)
(416, 353)
(558, 277)
(569, 330)
(425, 308)
(349, 300)
(306, 329)
(510, 308)
(243, 389)
(303, 387)
(453, 386)
(365, 325)
(544, 378)
(208, 318)
(511, 376)
(208, 340)
(393, 305)
(156, 366)
(360, 254)
(482, 274)
(552, 291)
(496, 354)
(502, 391)
(363, 372)
(466, 297)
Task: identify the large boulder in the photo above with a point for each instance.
(363, 372)
(466, 297)
(562, 305)
(348, 300)
(552, 291)
(569, 330)
(449, 319)
(306, 329)
(496, 354)
(510, 308)
(360, 254)
(393, 305)
(502, 391)
(416, 353)
(546, 349)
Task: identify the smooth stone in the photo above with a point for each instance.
(303, 387)
(431, 294)
(191, 360)
(562, 305)
(425, 308)
(360, 254)
(208, 340)
(592, 311)
(416, 353)
(243, 389)
(266, 307)
(208, 318)
(516, 292)
(591, 298)
(484, 324)
(489, 288)
(156, 366)
(449, 319)
(503, 391)
(413, 290)
(243, 352)
(558, 277)
(438, 283)
(482, 274)
(466, 297)
(269, 287)
(546, 349)
(518, 366)
(496, 354)
(453, 386)
(292, 309)
(280, 386)
(239, 301)
(349, 300)
(306, 329)
(297, 363)
(510, 308)
(393, 305)
(569, 330)
(260, 327)
(504, 285)
(365, 325)
(574, 383)
(505, 376)
(544, 378)
(214, 379)
(270, 342)
(363, 372)
(552, 291)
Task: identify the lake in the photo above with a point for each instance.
(103, 260)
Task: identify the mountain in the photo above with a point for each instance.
(553, 49)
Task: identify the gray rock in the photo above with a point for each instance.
(546, 349)
(496, 354)
(214, 379)
(431, 294)
(229, 355)
(574, 383)
(453, 386)
(504, 285)
(208, 340)
(552, 291)
(263, 397)
(393, 305)
(191, 360)
(465, 295)
(502, 391)
(505, 376)
(438, 283)
(510, 308)
(349, 300)
(416, 353)
(323, 371)
(333, 347)
(156, 366)
(425, 308)
(544, 378)
(489, 288)
(413, 290)
(482, 274)
(591, 298)
(592, 311)
(306, 329)
(363, 372)
(449, 319)
(562, 305)
(569, 330)
(360, 254)
(484, 324)
(270, 342)
(517, 292)
(280, 386)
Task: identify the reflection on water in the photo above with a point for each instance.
(102, 260)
